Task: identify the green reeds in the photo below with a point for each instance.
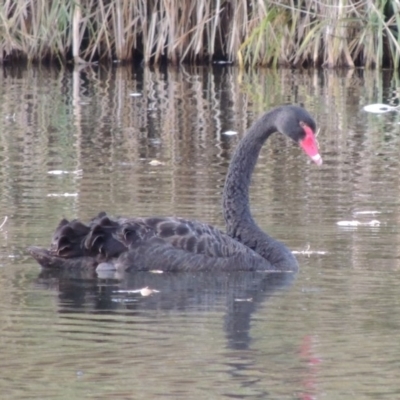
(330, 33)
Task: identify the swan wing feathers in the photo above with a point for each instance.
(169, 244)
(109, 237)
(67, 239)
(191, 236)
(158, 254)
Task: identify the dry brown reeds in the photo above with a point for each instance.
(327, 33)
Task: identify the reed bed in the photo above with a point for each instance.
(329, 33)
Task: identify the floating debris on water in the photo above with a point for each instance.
(229, 133)
(3, 223)
(366, 212)
(10, 117)
(223, 62)
(147, 292)
(155, 163)
(144, 291)
(379, 108)
(355, 223)
(61, 172)
(62, 195)
(310, 290)
(308, 252)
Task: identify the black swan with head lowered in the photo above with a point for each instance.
(176, 244)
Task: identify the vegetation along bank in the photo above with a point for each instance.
(292, 33)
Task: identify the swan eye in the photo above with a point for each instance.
(304, 127)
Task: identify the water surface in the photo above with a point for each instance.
(147, 142)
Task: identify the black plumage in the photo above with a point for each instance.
(176, 244)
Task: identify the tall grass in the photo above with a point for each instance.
(330, 33)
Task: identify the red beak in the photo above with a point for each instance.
(310, 146)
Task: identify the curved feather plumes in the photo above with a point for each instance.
(176, 244)
(169, 244)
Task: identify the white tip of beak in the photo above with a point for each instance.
(317, 159)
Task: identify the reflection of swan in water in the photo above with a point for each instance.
(240, 293)
(175, 244)
(188, 310)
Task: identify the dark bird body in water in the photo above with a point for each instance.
(176, 244)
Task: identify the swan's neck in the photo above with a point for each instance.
(236, 206)
(239, 221)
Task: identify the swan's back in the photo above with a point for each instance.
(147, 243)
(110, 237)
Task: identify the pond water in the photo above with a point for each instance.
(146, 142)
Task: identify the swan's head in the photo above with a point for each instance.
(298, 124)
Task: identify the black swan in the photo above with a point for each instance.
(176, 244)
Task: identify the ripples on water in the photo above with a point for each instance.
(331, 333)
